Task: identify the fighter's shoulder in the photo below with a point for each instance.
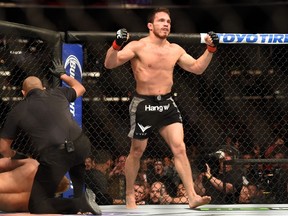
(177, 48)
(136, 44)
(139, 42)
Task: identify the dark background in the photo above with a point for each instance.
(188, 16)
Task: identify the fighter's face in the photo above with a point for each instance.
(161, 25)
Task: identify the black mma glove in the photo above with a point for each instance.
(215, 40)
(18, 156)
(58, 69)
(121, 37)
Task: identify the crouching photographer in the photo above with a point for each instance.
(222, 183)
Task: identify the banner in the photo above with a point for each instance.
(72, 55)
(238, 38)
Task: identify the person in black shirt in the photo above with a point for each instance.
(58, 140)
(223, 185)
(97, 178)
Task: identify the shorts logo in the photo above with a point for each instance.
(143, 129)
(151, 108)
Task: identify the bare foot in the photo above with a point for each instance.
(198, 201)
(130, 202)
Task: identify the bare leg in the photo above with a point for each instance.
(173, 135)
(131, 170)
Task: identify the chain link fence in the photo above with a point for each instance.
(237, 107)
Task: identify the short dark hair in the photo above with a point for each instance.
(151, 16)
(101, 156)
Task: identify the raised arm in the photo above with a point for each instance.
(59, 71)
(117, 56)
(199, 65)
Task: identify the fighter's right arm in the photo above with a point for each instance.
(117, 56)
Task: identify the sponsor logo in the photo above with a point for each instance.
(250, 38)
(151, 108)
(72, 108)
(71, 64)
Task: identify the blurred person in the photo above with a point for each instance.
(170, 170)
(182, 193)
(117, 179)
(119, 168)
(97, 179)
(278, 184)
(89, 163)
(142, 173)
(251, 194)
(257, 153)
(278, 143)
(153, 59)
(58, 140)
(224, 186)
(157, 193)
(141, 193)
(16, 179)
(181, 197)
(167, 163)
(250, 171)
(158, 173)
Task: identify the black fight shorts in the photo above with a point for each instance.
(149, 112)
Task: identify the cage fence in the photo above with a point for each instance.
(238, 106)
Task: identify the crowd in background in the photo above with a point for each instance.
(158, 182)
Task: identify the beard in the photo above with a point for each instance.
(160, 36)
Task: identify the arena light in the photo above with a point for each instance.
(106, 99)
(91, 74)
(4, 72)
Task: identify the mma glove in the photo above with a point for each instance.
(215, 41)
(121, 38)
(18, 156)
(58, 69)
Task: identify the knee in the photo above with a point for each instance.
(136, 153)
(179, 150)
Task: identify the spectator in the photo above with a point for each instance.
(278, 180)
(157, 173)
(97, 179)
(157, 193)
(224, 186)
(117, 179)
(250, 171)
(278, 143)
(119, 168)
(88, 163)
(140, 193)
(181, 197)
(142, 173)
(250, 194)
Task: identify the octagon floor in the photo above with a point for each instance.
(183, 210)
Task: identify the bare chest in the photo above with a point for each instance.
(156, 58)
